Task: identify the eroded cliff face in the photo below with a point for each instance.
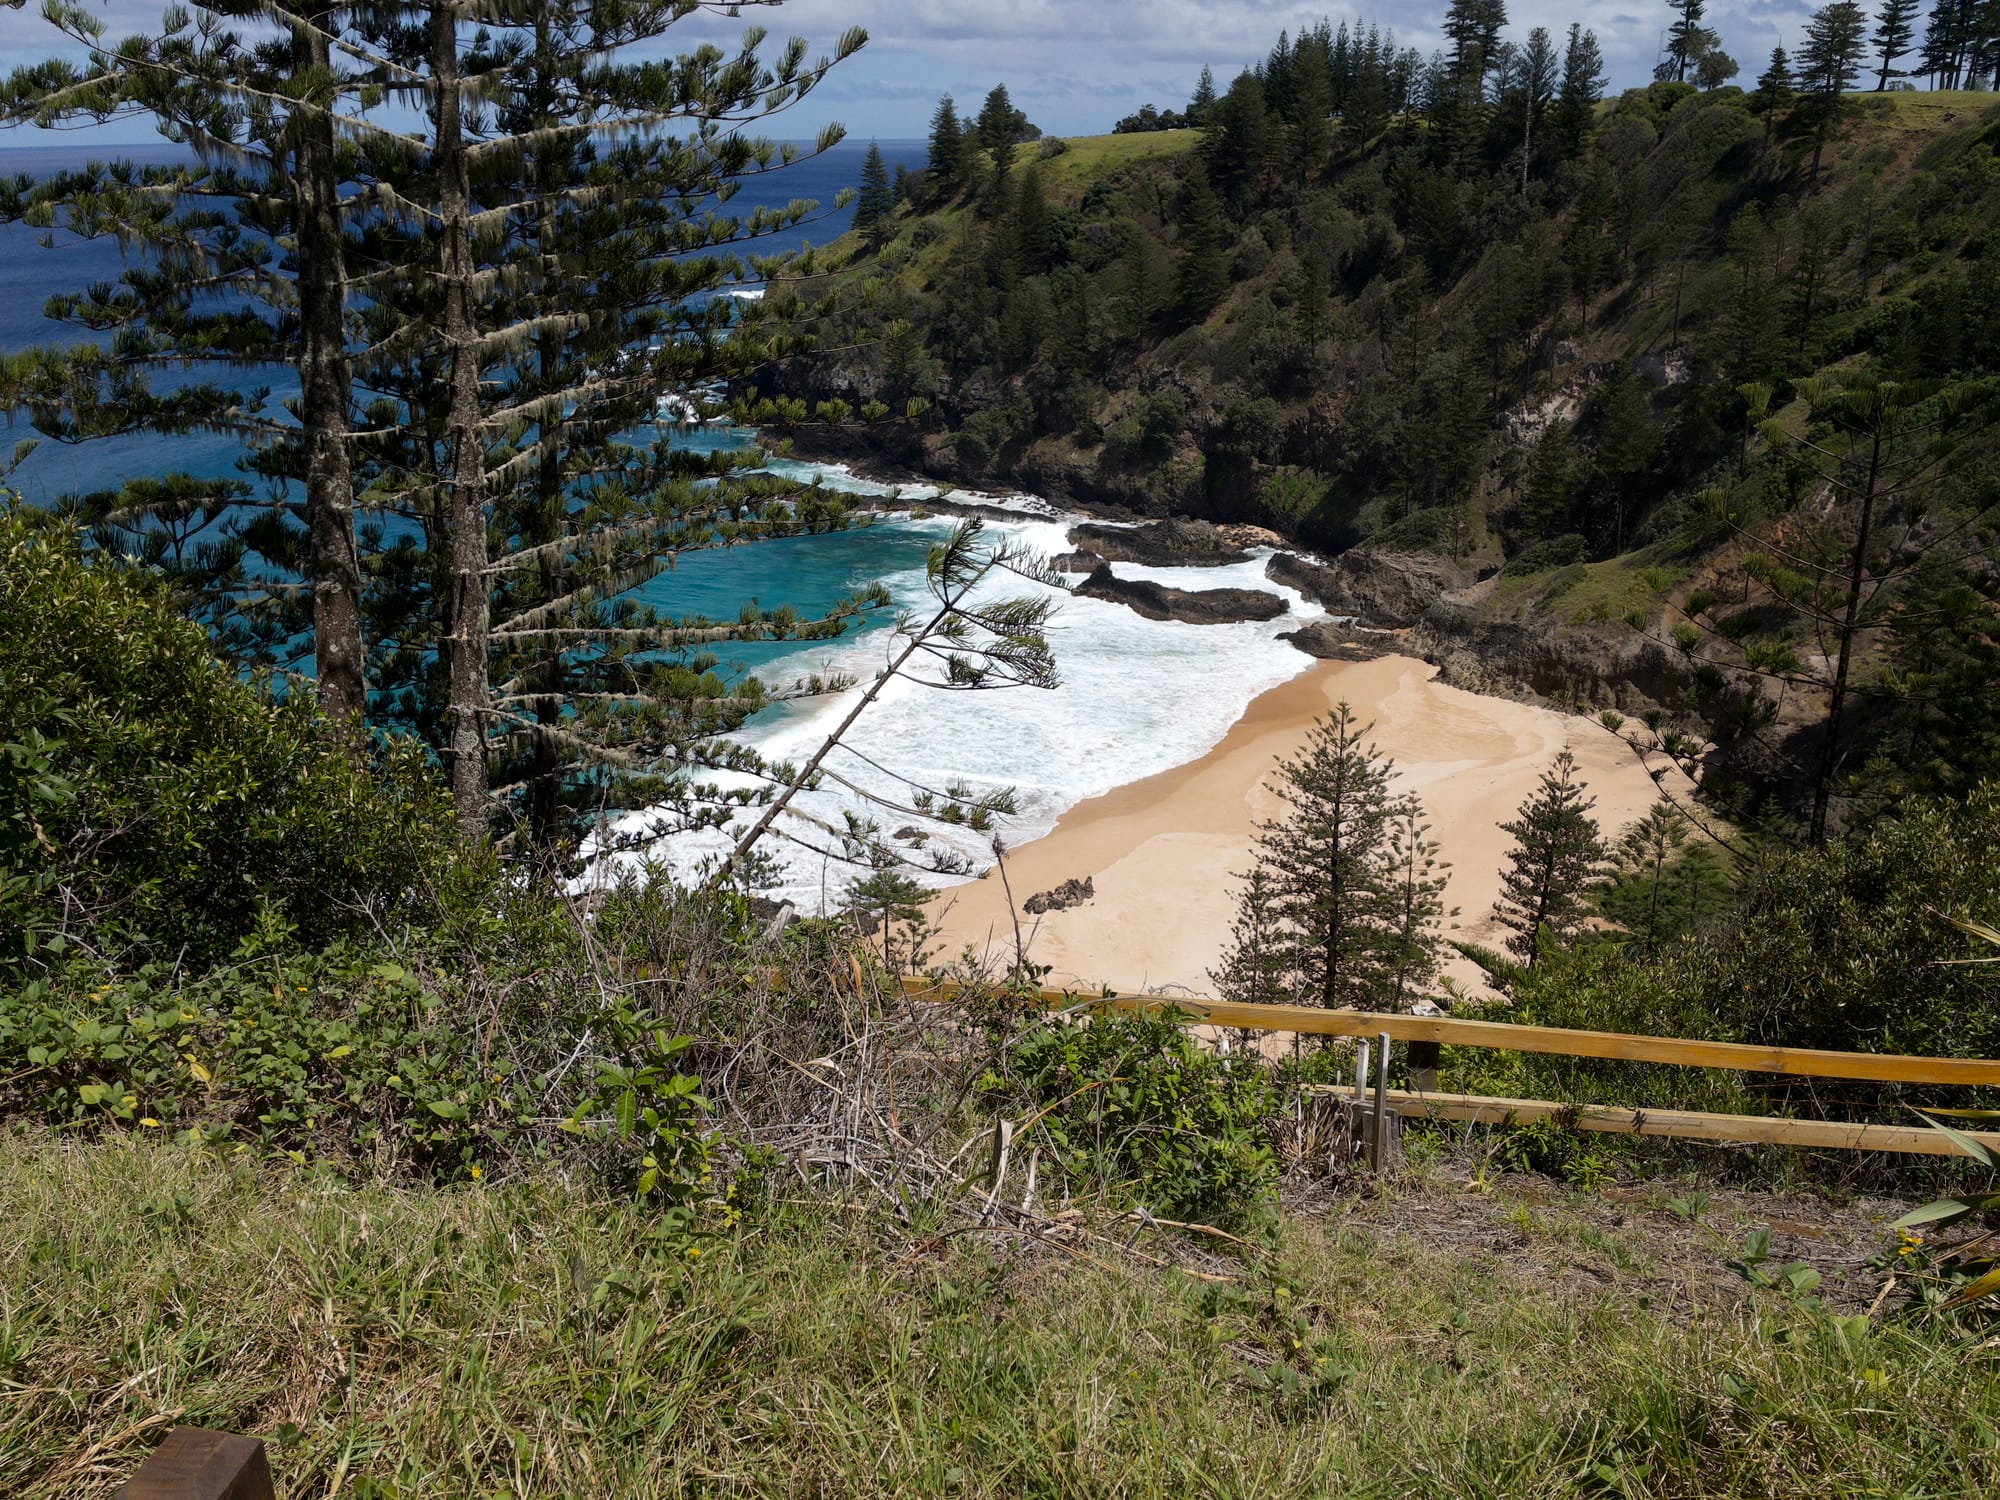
(1409, 602)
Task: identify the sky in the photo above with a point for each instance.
(1075, 66)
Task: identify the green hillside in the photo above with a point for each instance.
(1575, 351)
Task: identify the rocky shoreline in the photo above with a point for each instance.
(1383, 602)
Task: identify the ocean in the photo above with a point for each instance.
(1136, 697)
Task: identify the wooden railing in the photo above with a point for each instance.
(1878, 1067)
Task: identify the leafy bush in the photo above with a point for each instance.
(1848, 948)
(1852, 946)
(152, 801)
(348, 1056)
(1135, 1102)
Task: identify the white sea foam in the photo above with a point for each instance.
(1137, 697)
(841, 478)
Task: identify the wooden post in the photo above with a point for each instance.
(1380, 1155)
(1360, 1097)
(197, 1464)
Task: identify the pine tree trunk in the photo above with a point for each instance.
(1330, 939)
(1829, 752)
(466, 637)
(544, 802)
(333, 560)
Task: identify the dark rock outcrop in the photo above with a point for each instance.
(1567, 663)
(1332, 640)
(1390, 590)
(1077, 562)
(1179, 543)
(1062, 898)
(1195, 607)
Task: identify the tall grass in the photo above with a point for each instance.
(534, 1340)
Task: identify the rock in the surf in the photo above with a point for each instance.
(1194, 606)
(1179, 543)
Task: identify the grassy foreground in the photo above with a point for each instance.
(530, 1341)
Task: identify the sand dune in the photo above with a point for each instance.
(1164, 852)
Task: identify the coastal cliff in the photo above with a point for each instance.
(1534, 443)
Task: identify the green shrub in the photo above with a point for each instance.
(152, 802)
(1849, 948)
(1136, 1103)
(1554, 552)
(348, 1057)
(1853, 946)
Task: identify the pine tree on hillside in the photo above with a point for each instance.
(1029, 225)
(510, 359)
(1555, 481)
(1256, 967)
(1951, 41)
(1416, 884)
(1578, 95)
(1775, 89)
(1312, 107)
(1240, 142)
(1687, 38)
(1895, 32)
(247, 269)
(1888, 454)
(1664, 882)
(1644, 852)
(1535, 73)
(1963, 45)
(1473, 27)
(877, 200)
(1203, 276)
(1556, 855)
(1828, 64)
(998, 131)
(1203, 100)
(947, 150)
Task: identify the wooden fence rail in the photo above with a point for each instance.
(1684, 1124)
(1879, 1067)
(1876, 1067)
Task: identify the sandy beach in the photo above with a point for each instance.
(1163, 852)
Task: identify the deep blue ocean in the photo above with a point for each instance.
(1138, 696)
(30, 272)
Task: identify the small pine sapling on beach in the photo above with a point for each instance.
(1257, 966)
(1557, 853)
(1417, 883)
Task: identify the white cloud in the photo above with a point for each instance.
(1084, 62)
